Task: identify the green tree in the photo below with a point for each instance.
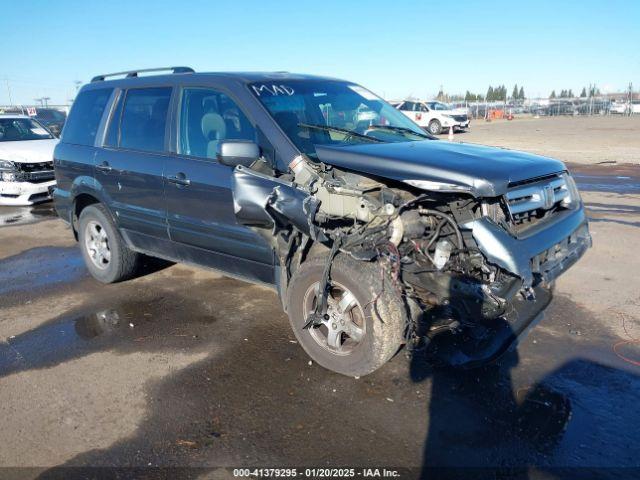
(514, 95)
(521, 93)
(570, 93)
(553, 94)
(490, 94)
(583, 94)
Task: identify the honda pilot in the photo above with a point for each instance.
(373, 233)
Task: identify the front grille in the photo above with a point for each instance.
(35, 172)
(529, 203)
(460, 118)
(35, 167)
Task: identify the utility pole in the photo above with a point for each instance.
(8, 91)
(46, 101)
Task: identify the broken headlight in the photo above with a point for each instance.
(8, 171)
(437, 186)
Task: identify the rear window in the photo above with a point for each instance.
(84, 119)
(144, 118)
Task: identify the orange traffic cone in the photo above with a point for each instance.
(451, 134)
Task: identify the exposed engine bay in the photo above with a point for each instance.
(447, 253)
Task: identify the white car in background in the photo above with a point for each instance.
(619, 108)
(434, 117)
(26, 161)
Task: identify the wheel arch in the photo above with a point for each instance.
(85, 193)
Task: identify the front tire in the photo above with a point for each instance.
(105, 254)
(365, 321)
(435, 128)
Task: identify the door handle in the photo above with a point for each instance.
(179, 179)
(104, 167)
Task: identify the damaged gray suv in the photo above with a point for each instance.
(373, 233)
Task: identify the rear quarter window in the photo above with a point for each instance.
(83, 122)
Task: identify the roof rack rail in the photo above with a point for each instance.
(134, 73)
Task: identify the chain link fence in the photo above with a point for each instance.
(550, 107)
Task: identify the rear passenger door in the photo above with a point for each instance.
(130, 166)
(199, 200)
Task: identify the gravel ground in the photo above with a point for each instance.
(583, 140)
(185, 368)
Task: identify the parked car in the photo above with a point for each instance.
(372, 232)
(52, 119)
(26, 161)
(434, 116)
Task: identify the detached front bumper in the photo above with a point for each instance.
(538, 259)
(25, 193)
(542, 254)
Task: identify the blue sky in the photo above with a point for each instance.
(395, 48)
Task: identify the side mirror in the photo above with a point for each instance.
(237, 152)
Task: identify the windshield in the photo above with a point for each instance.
(324, 112)
(19, 129)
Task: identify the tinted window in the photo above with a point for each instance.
(144, 118)
(408, 107)
(84, 119)
(208, 116)
(49, 115)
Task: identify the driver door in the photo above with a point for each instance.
(199, 201)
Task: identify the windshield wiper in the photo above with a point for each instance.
(404, 130)
(340, 130)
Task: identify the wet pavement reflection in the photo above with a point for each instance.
(39, 268)
(10, 216)
(132, 325)
(607, 178)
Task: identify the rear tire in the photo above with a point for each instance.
(366, 310)
(435, 128)
(105, 253)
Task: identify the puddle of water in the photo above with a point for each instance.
(160, 323)
(602, 183)
(543, 415)
(40, 267)
(10, 216)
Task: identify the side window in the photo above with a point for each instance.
(410, 106)
(206, 117)
(83, 122)
(144, 118)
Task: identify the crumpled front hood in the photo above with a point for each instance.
(485, 171)
(28, 151)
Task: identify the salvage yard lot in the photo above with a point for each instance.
(183, 367)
